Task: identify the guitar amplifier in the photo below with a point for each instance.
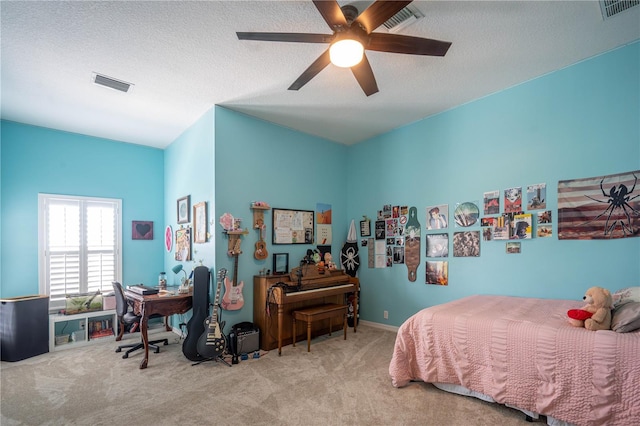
(244, 338)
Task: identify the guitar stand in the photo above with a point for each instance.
(219, 358)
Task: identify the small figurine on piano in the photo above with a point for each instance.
(328, 261)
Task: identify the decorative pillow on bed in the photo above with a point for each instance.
(626, 295)
(626, 317)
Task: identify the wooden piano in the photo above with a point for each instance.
(275, 297)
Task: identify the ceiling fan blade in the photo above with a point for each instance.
(290, 37)
(395, 43)
(376, 14)
(332, 14)
(313, 70)
(364, 74)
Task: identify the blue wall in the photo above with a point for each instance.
(38, 160)
(189, 170)
(578, 122)
(260, 161)
(582, 121)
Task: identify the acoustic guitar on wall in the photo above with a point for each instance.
(261, 252)
(233, 299)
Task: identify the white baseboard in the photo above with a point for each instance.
(379, 325)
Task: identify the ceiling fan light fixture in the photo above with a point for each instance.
(346, 53)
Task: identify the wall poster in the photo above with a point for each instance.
(600, 207)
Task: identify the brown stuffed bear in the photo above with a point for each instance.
(596, 314)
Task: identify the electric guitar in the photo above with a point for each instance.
(212, 342)
(233, 299)
(261, 252)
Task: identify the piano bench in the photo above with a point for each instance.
(316, 313)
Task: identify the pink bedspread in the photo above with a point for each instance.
(523, 352)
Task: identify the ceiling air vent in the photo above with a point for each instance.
(610, 8)
(111, 83)
(403, 19)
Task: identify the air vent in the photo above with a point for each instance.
(403, 19)
(610, 8)
(111, 83)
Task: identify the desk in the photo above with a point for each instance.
(147, 305)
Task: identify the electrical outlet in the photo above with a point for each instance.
(386, 314)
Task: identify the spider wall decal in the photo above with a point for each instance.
(618, 199)
(350, 259)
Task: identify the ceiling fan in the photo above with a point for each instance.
(349, 28)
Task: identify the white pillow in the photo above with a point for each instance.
(626, 295)
(626, 317)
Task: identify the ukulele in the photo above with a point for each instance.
(261, 252)
(212, 342)
(233, 300)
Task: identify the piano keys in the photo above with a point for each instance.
(275, 297)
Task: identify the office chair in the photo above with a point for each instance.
(127, 317)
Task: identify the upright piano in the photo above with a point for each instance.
(275, 297)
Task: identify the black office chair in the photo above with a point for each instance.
(127, 317)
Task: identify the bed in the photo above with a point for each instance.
(522, 352)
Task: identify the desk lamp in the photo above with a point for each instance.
(176, 269)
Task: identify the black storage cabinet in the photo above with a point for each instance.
(24, 327)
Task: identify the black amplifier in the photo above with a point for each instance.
(244, 338)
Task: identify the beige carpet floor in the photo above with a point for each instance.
(338, 383)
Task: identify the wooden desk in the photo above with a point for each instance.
(165, 305)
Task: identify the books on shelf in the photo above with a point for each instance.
(100, 328)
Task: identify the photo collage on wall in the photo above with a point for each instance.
(389, 234)
(524, 216)
(466, 243)
(437, 245)
(387, 246)
(515, 223)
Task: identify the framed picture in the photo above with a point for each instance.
(183, 209)
(292, 226)
(141, 230)
(365, 228)
(200, 222)
(183, 244)
(513, 248)
(437, 245)
(437, 272)
(280, 263)
(466, 244)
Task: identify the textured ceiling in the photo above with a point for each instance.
(184, 57)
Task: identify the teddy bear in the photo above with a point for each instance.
(596, 314)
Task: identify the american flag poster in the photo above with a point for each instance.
(602, 207)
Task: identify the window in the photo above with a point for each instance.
(79, 245)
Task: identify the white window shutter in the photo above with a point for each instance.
(80, 245)
(63, 238)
